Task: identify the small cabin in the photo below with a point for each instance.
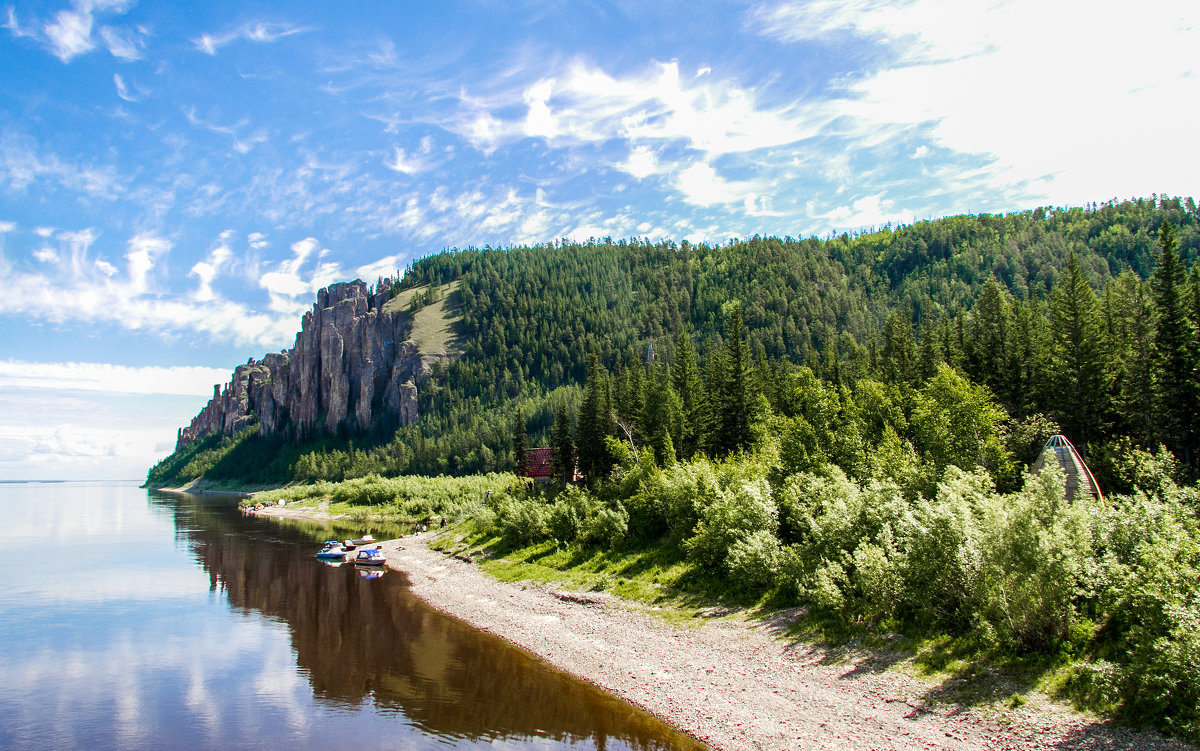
(539, 466)
(1078, 475)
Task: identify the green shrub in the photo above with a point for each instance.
(570, 515)
(608, 527)
(522, 521)
(733, 515)
(1036, 560)
(944, 564)
(754, 561)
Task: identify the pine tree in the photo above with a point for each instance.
(734, 401)
(595, 423)
(563, 446)
(693, 403)
(1079, 367)
(1174, 345)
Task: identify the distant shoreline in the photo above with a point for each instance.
(735, 681)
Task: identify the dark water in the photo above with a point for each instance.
(133, 620)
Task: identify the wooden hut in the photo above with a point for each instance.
(1078, 476)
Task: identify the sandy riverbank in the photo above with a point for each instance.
(737, 682)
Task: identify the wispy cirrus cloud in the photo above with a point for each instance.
(23, 164)
(983, 79)
(257, 31)
(130, 295)
(72, 32)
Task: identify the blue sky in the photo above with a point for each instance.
(178, 179)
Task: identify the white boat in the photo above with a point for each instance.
(364, 540)
(333, 551)
(370, 557)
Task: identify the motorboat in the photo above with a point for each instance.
(333, 551)
(364, 540)
(370, 557)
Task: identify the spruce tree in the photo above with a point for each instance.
(1079, 365)
(693, 403)
(563, 445)
(595, 423)
(1174, 345)
(734, 400)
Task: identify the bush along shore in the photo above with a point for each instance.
(1092, 601)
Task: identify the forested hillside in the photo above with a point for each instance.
(1082, 319)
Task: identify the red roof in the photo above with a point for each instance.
(539, 462)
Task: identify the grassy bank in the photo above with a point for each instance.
(392, 499)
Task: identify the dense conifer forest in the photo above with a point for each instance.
(1079, 320)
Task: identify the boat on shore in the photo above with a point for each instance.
(333, 551)
(364, 540)
(370, 557)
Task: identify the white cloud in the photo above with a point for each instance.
(109, 378)
(46, 232)
(46, 255)
(22, 166)
(6, 226)
(539, 121)
(144, 251)
(122, 89)
(641, 163)
(702, 186)
(212, 267)
(411, 163)
(585, 104)
(285, 283)
(867, 212)
(101, 294)
(70, 34)
(1067, 105)
(121, 43)
(259, 31)
(386, 267)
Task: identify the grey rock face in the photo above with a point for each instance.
(350, 365)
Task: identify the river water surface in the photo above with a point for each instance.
(134, 620)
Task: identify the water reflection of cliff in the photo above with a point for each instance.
(358, 639)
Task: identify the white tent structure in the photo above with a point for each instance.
(1079, 477)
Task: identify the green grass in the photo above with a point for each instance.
(434, 326)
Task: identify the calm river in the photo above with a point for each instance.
(135, 620)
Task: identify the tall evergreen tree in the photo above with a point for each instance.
(596, 423)
(1079, 366)
(899, 350)
(1174, 345)
(664, 416)
(693, 402)
(1129, 312)
(989, 357)
(733, 389)
(562, 445)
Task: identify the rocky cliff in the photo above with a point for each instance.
(350, 365)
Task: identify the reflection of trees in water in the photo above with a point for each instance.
(356, 639)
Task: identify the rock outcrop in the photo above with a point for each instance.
(350, 366)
